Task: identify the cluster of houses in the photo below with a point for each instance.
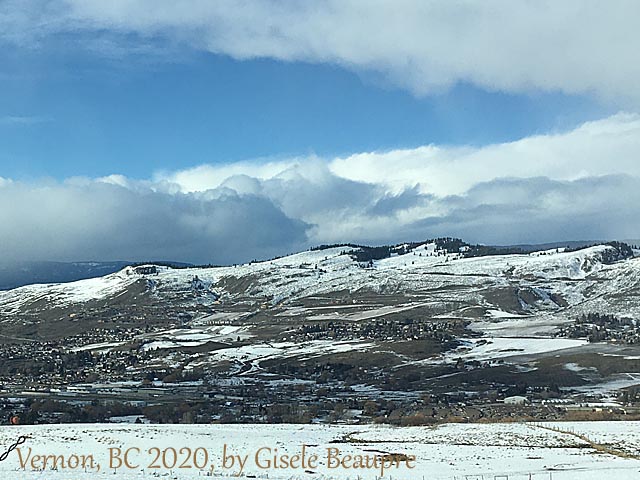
(379, 329)
(597, 327)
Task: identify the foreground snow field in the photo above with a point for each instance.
(585, 451)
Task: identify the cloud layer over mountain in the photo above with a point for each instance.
(581, 184)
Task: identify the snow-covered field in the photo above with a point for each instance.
(584, 451)
(501, 347)
(254, 354)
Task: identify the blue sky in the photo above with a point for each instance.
(218, 132)
(92, 115)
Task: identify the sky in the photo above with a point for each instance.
(221, 132)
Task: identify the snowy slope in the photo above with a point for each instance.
(63, 294)
(552, 281)
(521, 451)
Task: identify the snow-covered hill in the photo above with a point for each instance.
(552, 280)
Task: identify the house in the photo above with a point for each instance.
(516, 400)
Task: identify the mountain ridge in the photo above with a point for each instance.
(17, 274)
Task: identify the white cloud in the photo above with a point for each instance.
(603, 147)
(17, 120)
(571, 46)
(539, 188)
(205, 177)
(581, 184)
(88, 220)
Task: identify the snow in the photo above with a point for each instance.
(162, 344)
(512, 327)
(315, 273)
(573, 265)
(574, 367)
(492, 348)
(368, 314)
(499, 314)
(68, 293)
(254, 354)
(98, 346)
(127, 419)
(446, 452)
(193, 337)
(419, 282)
(614, 383)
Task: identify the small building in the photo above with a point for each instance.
(146, 270)
(516, 400)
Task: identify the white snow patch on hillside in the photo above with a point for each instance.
(492, 348)
(499, 314)
(613, 384)
(254, 354)
(574, 265)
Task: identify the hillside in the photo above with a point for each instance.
(422, 321)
